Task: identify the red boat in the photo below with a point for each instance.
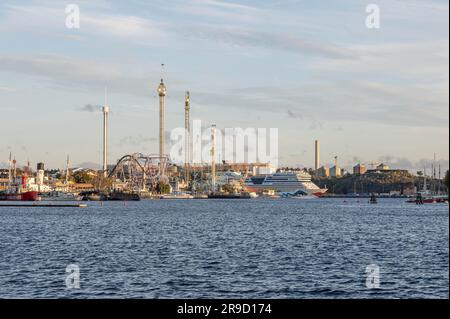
(30, 196)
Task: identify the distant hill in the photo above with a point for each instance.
(90, 165)
(371, 182)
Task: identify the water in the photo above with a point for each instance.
(226, 249)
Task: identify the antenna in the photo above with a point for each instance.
(162, 70)
(106, 95)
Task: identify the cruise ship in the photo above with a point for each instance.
(292, 183)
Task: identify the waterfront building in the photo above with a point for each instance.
(324, 172)
(359, 169)
(383, 167)
(335, 171)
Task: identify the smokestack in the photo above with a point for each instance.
(162, 91)
(40, 175)
(317, 157)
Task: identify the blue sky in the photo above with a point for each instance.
(310, 68)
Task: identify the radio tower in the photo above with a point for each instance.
(187, 142)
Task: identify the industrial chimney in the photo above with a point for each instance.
(317, 158)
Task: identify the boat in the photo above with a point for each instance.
(228, 196)
(93, 196)
(18, 188)
(177, 195)
(57, 196)
(122, 196)
(284, 183)
(27, 196)
(425, 196)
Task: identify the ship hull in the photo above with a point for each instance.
(22, 197)
(281, 189)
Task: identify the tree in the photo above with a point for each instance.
(82, 177)
(162, 188)
(228, 188)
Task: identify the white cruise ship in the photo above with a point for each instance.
(292, 183)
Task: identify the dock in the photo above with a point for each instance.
(45, 205)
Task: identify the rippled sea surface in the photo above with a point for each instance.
(226, 249)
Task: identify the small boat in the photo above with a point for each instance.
(57, 196)
(177, 195)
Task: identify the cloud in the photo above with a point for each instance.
(246, 37)
(93, 22)
(84, 74)
(294, 115)
(6, 89)
(419, 165)
(91, 108)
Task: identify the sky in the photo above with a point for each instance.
(312, 69)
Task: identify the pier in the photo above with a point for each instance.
(45, 205)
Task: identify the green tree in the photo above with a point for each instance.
(82, 177)
(162, 188)
(228, 188)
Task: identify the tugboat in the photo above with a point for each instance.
(17, 189)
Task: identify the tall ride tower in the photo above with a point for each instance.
(162, 91)
(105, 140)
(187, 141)
(213, 158)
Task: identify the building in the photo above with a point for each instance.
(335, 171)
(4, 183)
(324, 172)
(383, 167)
(359, 169)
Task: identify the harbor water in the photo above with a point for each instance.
(262, 248)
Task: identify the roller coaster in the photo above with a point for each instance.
(138, 172)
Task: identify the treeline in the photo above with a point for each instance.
(377, 182)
